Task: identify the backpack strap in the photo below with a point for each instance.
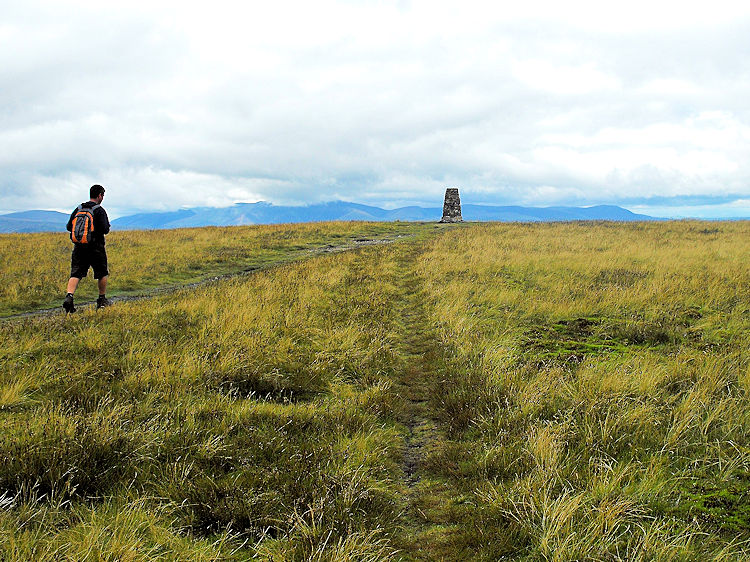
(91, 209)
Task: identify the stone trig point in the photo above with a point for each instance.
(452, 206)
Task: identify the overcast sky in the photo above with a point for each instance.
(171, 104)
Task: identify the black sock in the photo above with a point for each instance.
(102, 297)
(69, 295)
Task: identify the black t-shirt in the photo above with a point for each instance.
(101, 222)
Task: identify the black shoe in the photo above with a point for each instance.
(101, 302)
(68, 304)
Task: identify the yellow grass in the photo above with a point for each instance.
(34, 268)
(570, 392)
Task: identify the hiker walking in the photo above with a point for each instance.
(87, 225)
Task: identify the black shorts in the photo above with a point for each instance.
(85, 256)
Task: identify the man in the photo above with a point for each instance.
(92, 254)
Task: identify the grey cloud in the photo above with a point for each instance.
(533, 112)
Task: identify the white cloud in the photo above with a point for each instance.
(565, 80)
(384, 102)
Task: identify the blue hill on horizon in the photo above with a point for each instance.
(33, 221)
(267, 213)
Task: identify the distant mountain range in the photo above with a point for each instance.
(266, 213)
(33, 221)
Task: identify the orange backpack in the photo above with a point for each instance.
(82, 231)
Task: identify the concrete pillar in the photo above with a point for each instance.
(452, 206)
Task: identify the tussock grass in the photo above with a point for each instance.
(110, 530)
(595, 384)
(246, 414)
(586, 387)
(34, 268)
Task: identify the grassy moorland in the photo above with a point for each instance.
(504, 391)
(242, 417)
(34, 268)
(596, 395)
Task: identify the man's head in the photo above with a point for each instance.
(96, 193)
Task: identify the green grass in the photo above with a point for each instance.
(250, 411)
(500, 391)
(34, 268)
(598, 387)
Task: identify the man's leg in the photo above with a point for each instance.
(68, 302)
(79, 266)
(102, 301)
(101, 274)
(102, 285)
(73, 284)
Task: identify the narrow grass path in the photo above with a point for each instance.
(428, 529)
(292, 256)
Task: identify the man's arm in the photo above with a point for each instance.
(69, 226)
(101, 221)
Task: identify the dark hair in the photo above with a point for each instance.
(95, 191)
